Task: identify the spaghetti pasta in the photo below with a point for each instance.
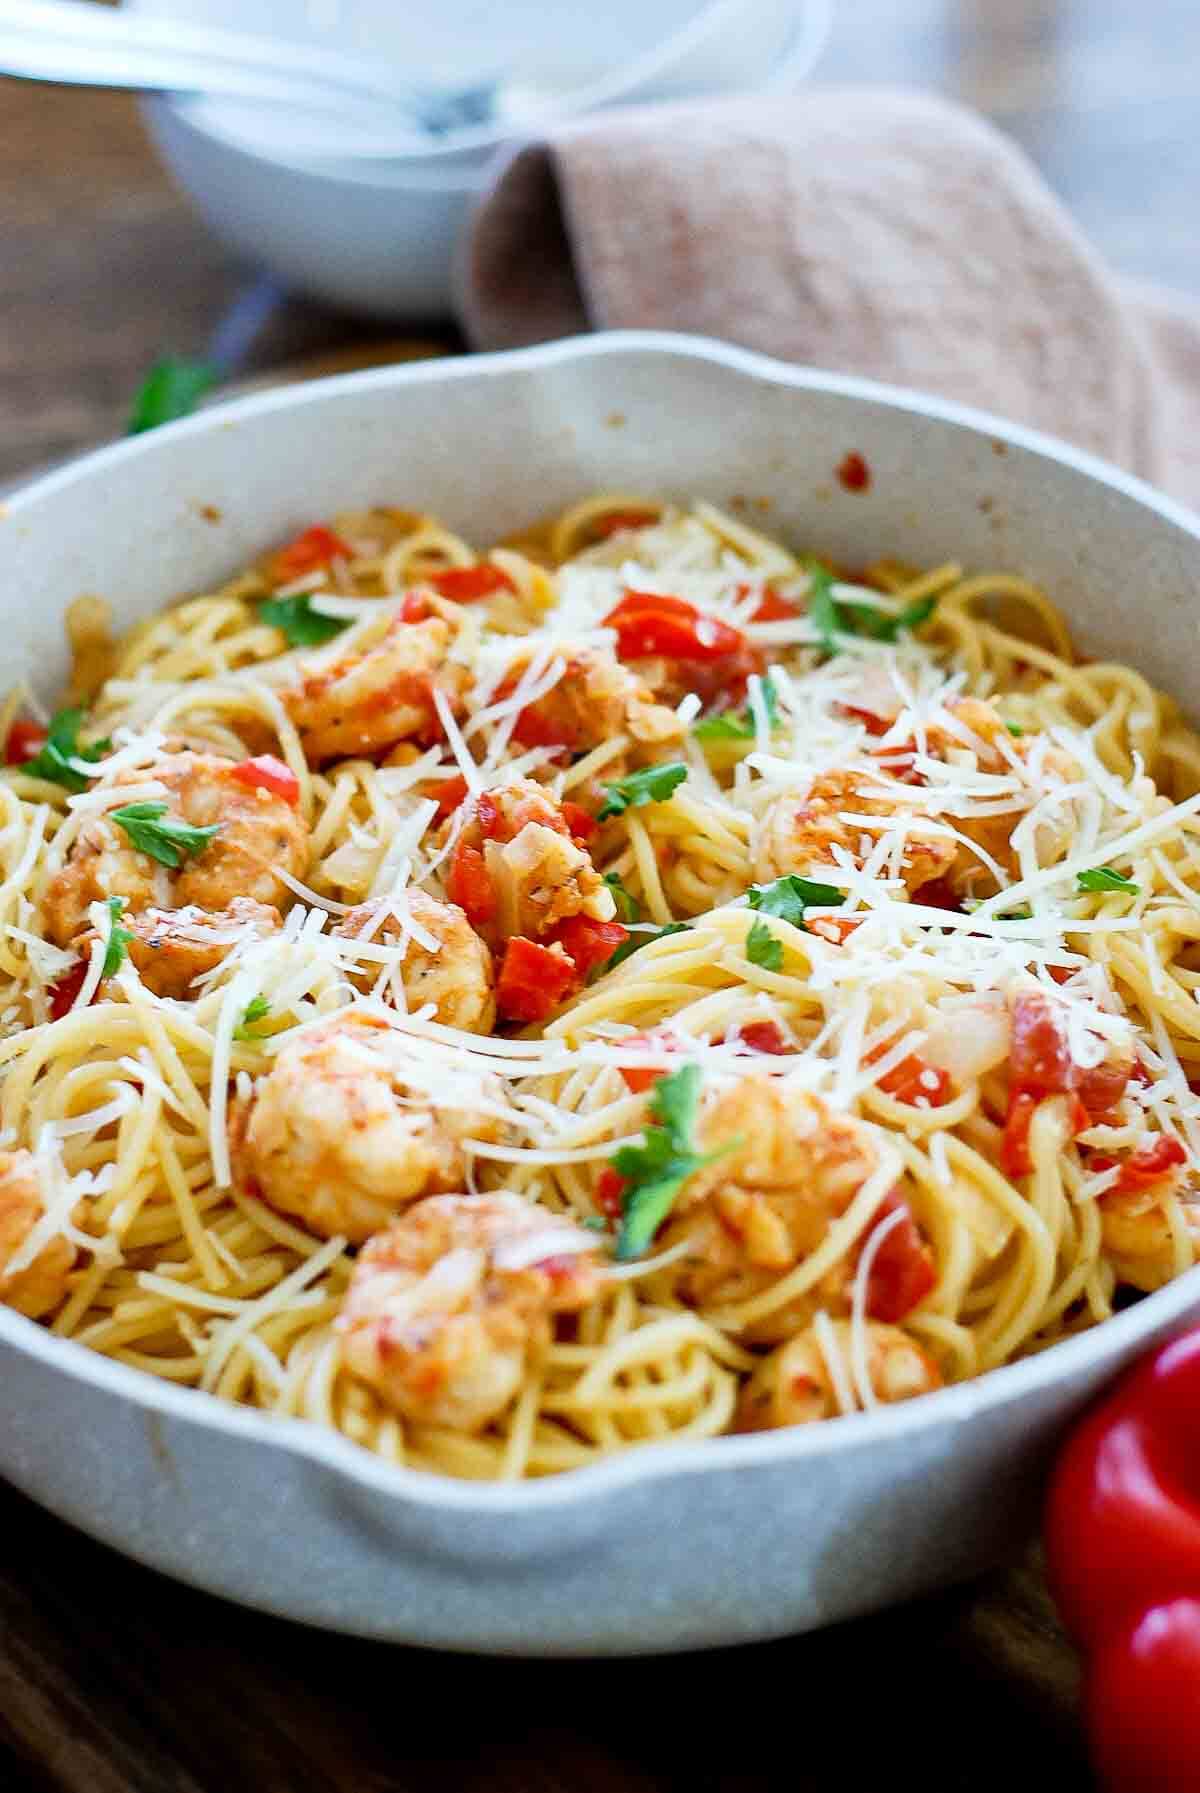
(633, 985)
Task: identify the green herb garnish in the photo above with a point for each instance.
(118, 939)
(656, 1171)
(635, 943)
(730, 727)
(301, 625)
(823, 611)
(762, 948)
(62, 746)
(1103, 877)
(628, 907)
(257, 1009)
(171, 389)
(151, 831)
(1014, 728)
(833, 618)
(788, 897)
(654, 784)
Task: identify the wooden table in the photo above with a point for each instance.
(113, 1680)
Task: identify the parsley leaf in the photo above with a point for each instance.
(654, 784)
(727, 727)
(1014, 728)
(762, 948)
(1103, 877)
(171, 389)
(636, 941)
(656, 1171)
(833, 619)
(257, 1009)
(118, 939)
(788, 897)
(301, 625)
(628, 907)
(62, 746)
(823, 610)
(164, 840)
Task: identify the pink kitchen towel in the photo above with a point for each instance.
(862, 230)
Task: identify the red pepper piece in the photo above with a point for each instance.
(415, 607)
(470, 886)
(903, 1270)
(465, 585)
(1122, 1536)
(266, 773)
(870, 719)
(449, 793)
(312, 549)
(1156, 1159)
(533, 980)
(772, 608)
(764, 1036)
(643, 1077)
(610, 1192)
(25, 741)
(581, 822)
(63, 993)
(588, 943)
(649, 623)
(853, 473)
(616, 521)
(915, 1081)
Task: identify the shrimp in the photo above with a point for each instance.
(801, 837)
(456, 978)
(595, 699)
(754, 1213)
(257, 832)
(538, 876)
(40, 1286)
(1136, 1230)
(377, 695)
(794, 1386)
(343, 1133)
(445, 1311)
(173, 948)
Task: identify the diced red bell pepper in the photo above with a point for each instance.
(1122, 1532)
(648, 623)
(581, 822)
(449, 793)
(533, 980)
(470, 886)
(26, 739)
(764, 1036)
(533, 728)
(903, 1270)
(915, 1081)
(1145, 1166)
(589, 943)
(312, 549)
(870, 719)
(642, 1077)
(266, 773)
(415, 608)
(466, 585)
(63, 993)
(772, 608)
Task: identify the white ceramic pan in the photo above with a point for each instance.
(665, 1547)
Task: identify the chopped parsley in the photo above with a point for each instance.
(636, 941)
(1103, 877)
(790, 896)
(171, 389)
(62, 746)
(628, 907)
(1014, 728)
(257, 1009)
(150, 830)
(653, 784)
(118, 939)
(834, 619)
(298, 622)
(730, 727)
(762, 948)
(655, 1171)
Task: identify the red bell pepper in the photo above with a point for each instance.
(315, 547)
(617, 521)
(470, 886)
(465, 585)
(533, 980)
(25, 741)
(1123, 1559)
(589, 943)
(448, 793)
(649, 623)
(266, 773)
(903, 1270)
(581, 822)
(62, 994)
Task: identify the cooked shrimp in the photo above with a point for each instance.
(794, 1385)
(538, 875)
(595, 699)
(445, 1310)
(1135, 1226)
(172, 948)
(756, 1212)
(456, 979)
(800, 836)
(257, 831)
(341, 1133)
(375, 696)
(40, 1286)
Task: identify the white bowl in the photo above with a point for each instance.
(666, 1546)
(379, 237)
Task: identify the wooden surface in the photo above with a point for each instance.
(115, 1681)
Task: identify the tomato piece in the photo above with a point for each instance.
(588, 943)
(837, 929)
(1039, 1061)
(313, 548)
(939, 894)
(616, 521)
(870, 719)
(487, 814)
(533, 729)
(772, 608)
(64, 992)
(610, 1192)
(915, 1081)
(900, 762)
(470, 886)
(465, 585)
(764, 1036)
(1155, 1159)
(1014, 1152)
(415, 608)
(853, 473)
(26, 739)
(533, 980)
(266, 773)
(581, 822)
(449, 793)
(903, 1269)
(1100, 1087)
(643, 1077)
(648, 624)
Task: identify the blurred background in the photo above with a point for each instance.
(106, 265)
